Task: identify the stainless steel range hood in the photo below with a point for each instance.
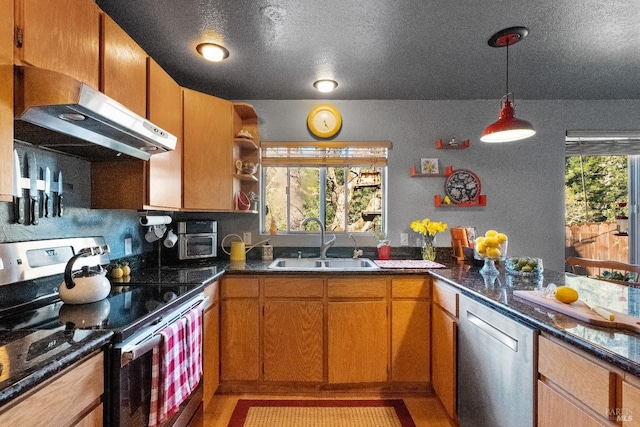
(57, 112)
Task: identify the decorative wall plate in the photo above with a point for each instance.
(462, 186)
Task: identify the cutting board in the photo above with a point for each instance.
(579, 310)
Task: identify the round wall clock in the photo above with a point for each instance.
(324, 120)
(462, 186)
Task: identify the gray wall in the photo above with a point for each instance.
(523, 180)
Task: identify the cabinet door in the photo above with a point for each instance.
(211, 344)
(240, 340)
(6, 99)
(443, 362)
(124, 68)
(165, 110)
(358, 341)
(410, 347)
(208, 182)
(62, 36)
(292, 340)
(630, 408)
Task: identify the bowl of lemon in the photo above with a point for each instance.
(523, 266)
(491, 247)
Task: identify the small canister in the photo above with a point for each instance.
(267, 252)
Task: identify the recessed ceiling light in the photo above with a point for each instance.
(325, 85)
(212, 52)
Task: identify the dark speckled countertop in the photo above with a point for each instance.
(18, 377)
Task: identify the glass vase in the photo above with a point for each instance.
(428, 248)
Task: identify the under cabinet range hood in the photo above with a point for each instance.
(57, 112)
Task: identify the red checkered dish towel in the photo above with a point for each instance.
(169, 373)
(194, 346)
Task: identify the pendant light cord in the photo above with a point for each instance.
(507, 92)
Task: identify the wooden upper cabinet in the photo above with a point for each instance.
(123, 67)
(165, 110)
(6, 98)
(62, 36)
(208, 166)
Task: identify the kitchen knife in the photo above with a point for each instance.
(18, 206)
(33, 189)
(601, 311)
(47, 190)
(60, 190)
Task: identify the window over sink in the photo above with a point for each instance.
(343, 184)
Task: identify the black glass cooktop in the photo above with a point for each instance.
(137, 301)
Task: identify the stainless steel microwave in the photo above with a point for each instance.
(197, 239)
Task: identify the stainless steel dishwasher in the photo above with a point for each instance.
(496, 369)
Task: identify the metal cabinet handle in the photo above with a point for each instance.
(493, 331)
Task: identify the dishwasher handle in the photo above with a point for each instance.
(492, 331)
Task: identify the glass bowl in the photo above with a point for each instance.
(490, 254)
(524, 266)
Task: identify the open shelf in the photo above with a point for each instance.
(459, 146)
(481, 200)
(447, 172)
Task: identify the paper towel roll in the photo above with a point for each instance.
(155, 220)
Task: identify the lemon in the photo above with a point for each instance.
(117, 273)
(481, 247)
(501, 237)
(491, 241)
(566, 294)
(493, 252)
(126, 270)
(490, 233)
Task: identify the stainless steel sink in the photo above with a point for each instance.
(317, 264)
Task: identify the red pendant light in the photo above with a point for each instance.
(508, 127)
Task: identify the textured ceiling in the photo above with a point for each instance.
(392, 49)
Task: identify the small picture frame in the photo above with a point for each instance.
(428, 166)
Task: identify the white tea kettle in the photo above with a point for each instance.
(90, 284)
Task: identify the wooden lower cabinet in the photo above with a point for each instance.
(554, 409)
(629, 410)
(358, 345)
(292, 341)
(410, 334)
(73, 398)
(211, 343)
(240, 329)
(444, 330)
(324, 332)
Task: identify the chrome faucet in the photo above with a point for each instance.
(356, 252)
(324, 246)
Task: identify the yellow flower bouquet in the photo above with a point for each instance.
(428, 229)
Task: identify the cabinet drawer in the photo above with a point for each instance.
(588, 382)
(629, 411)
(63, 400)
(240, 287)
(554, 410)
(293, 287)
(446, 297)
(361, 287)
(410, 287)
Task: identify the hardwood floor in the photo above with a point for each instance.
(426, 411)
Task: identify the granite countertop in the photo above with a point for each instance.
(618, 347)
(18, 377)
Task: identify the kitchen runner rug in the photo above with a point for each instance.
(321, 413)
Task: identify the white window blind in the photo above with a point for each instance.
(602, 143)
(331, 153)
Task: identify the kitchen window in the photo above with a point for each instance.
(341, 183)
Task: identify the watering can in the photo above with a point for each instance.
(238, 250)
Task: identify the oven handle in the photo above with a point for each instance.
(131, 353)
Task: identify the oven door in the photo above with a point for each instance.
(129, 394)
(194, 246)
